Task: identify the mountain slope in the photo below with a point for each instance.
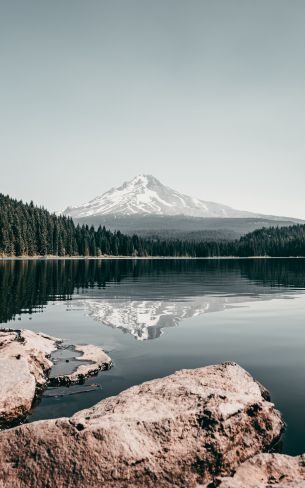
(145, 195)
(183, 227)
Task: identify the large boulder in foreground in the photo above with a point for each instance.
(181, 430)
(265, 471)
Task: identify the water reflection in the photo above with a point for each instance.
(146, 319)
(143, 297)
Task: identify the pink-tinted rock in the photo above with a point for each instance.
(99, 361)
(181, 430)
(24, 366)
(265, 471)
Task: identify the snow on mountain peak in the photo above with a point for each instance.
(146, 195)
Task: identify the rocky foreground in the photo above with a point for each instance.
(182, 430)
(209, 427)
(25, 367)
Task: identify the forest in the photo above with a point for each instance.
(28, 230)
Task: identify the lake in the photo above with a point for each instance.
(154, 317)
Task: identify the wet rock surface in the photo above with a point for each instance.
(182, 430)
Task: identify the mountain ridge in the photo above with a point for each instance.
(146, 195)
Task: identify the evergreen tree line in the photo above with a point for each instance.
(28, 230)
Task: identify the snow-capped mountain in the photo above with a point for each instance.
(145, 195)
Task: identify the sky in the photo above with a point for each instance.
(206, 95)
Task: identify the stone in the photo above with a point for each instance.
(24, 367)
(99, 361)
(182, 430)
(266, 471)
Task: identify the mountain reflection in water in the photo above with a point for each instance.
(142, 297)
(145, 319)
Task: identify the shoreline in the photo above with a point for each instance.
(135, 258)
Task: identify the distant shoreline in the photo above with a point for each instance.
(135, 258)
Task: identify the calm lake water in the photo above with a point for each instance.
(155, 317)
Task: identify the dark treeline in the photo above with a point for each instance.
(27, 230)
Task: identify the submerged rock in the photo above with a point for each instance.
(181, 430)
(99, 361)
(265, 471)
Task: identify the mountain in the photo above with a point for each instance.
(182, 227)
(150, 209)
(145, 195)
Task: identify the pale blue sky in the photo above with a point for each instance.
(208, 96)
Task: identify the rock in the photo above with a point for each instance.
(24, 366)
(266, 470)
(182, 430)
(99, 360)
